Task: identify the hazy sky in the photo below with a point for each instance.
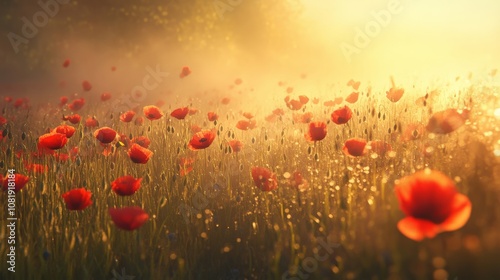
(261, 41)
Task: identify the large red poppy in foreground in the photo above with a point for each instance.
(52, 141)
(128, 218)
(201, 140)
(264, 179)
(139, 154)
(77, 199)
(126, 185)
(431, 204)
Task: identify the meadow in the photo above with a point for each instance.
(313, 208)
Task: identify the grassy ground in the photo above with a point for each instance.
(214, 223)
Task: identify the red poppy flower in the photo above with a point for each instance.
(105, 135)
(238, 81)
(19, 102)
(185, 72)
(447, 121)
(139, 154)
(139, 121)
(201, 140)
(2, 120)
(37, 168)
(127, 116)
(8, 99)
(62, 157)
(74, 119)
(271, 118)
(86, 85)
(77, 104)
(293, 104)
(52, 141)
(235, 145)
(379, 147)
(113, 68)
(329, 103)
(180, 113)
(431, 204)
(65, 129)
(63, 100)
(225, 100)
(289, 89)
(354, 147)
(278, 112)
(264, 179)
(248, 115)
(91, 122)
(315, 101)
(77, 199)
(126, 185)
(303, 118)
(74, 151)
(66, 63)
(107, 149)
(185, 165)
(394, 94)
(152, 112)
(105, 96)
(246, 124)
(352, 98)
(128, 218)
(19, 181)
(195, 128)
(298, 182)
(342, 115)
(303, 99)
(355, 85)
(142, 140)
(193, 111)
(317, 131)
(212, 116)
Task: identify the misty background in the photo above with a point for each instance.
(262, 42)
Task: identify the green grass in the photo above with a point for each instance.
(241, 232)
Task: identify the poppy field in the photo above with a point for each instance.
(237, 140)
(326, 189)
